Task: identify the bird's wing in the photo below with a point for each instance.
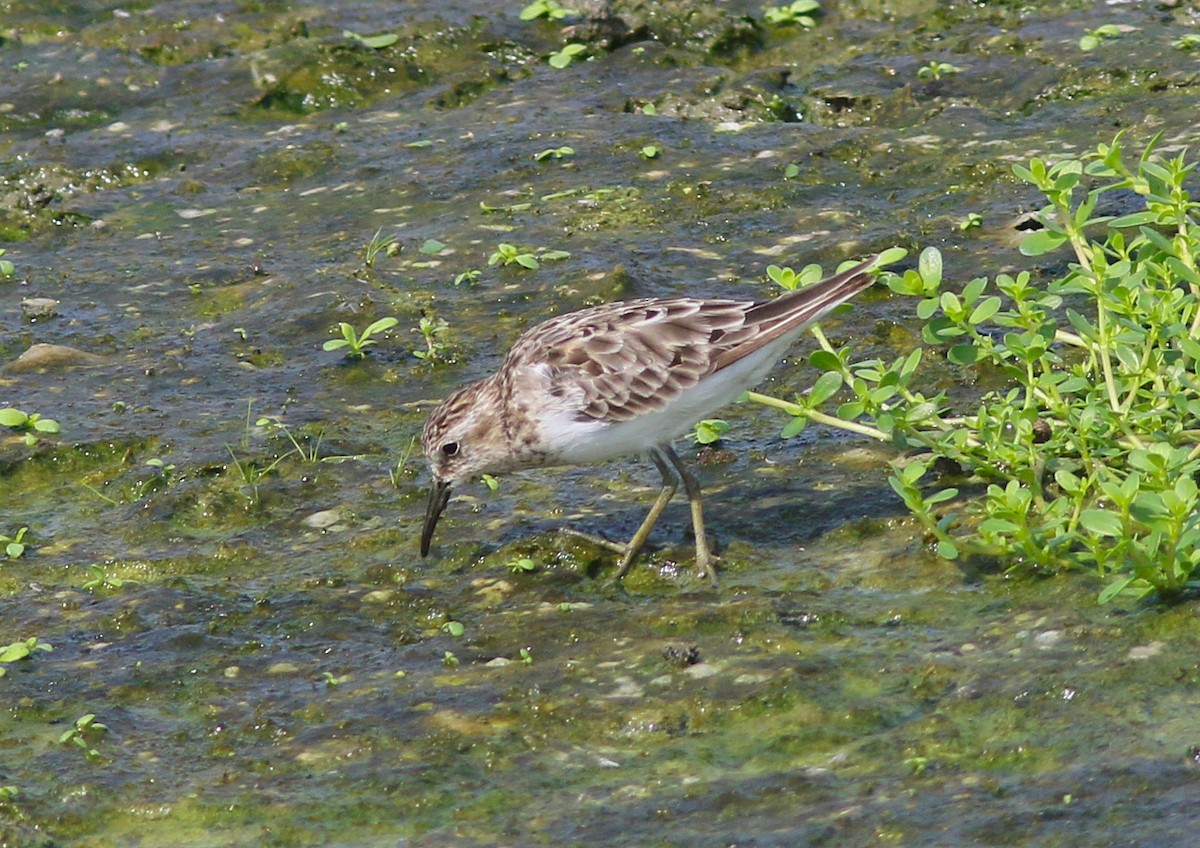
(626, 359)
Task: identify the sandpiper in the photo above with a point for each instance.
(616, 379)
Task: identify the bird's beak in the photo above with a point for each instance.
(439, 495)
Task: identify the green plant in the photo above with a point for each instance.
(14, 548)
(1093, 38)
(790, 280)
(1190, 41)
(331, 680)
(402, 470)
(432, 329)
(936, 70)
(507, 254)
(83, 733)
(1086, 456)
(709, 431)
(469, 276)
(357, 343)
(651, 151)
(311, 452)
(29, 422)
(554, 153)
(798, 13)
(449, 660)
(431, 247)
(6, 266)
(454, 628)
(563, 58)
(379, 243)
(973, 221)
(101, 579)
(551, 9)
(526, 656)
(491, 482)
(17, 651)
(375, 42)
(522, 564)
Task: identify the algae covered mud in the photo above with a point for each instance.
(218, 630)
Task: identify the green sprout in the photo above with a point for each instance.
(549, 9)
(971, 222)
(356, 342)
(522, 564)
(651, 151)
(1093, 38)
(563, 58)
(432, 329)
(936, 70)
(101, 580)
(709, 431)
(6, 266)
(375, 42)
(790, 280)
(507, 254)
(29, 422)
(14, 548)
(554, 153)
(1191, 41)
(22, 650)
(454, 628)
(379, 243)
(85, 729)
(469, 276)
(798, 13)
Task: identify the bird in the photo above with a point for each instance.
(616, 379)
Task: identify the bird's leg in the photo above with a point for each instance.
(704, 557)
(669, 485)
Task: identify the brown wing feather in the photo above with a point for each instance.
(625, 359)
(628, 358)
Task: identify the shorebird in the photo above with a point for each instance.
(617, 379)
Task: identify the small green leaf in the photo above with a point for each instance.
(1102, 522)
(946, 549)
(1042, 241)
(11, 417)
(929, 265)
(825, 361)
(794, 426)
(987, 307)
(826, 387)
(963, 354)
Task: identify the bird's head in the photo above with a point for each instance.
(461, 440)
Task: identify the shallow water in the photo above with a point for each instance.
(195, 184)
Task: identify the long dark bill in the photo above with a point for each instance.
(439, 496)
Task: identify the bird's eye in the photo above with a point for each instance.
(450, 448)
